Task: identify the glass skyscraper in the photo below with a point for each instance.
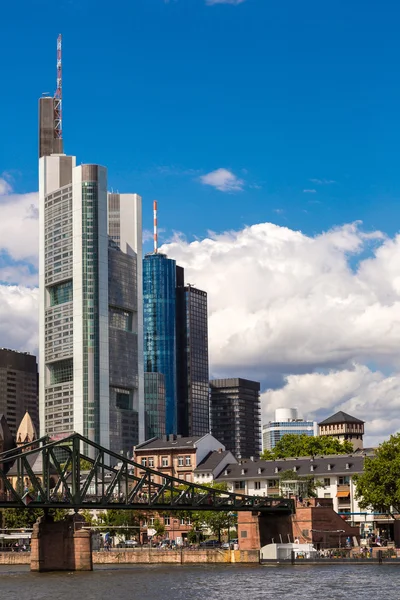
(159, 324)
(286, 421)
(192, 360)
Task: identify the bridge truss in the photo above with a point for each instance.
(53, 471)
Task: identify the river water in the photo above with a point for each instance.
(226, 582)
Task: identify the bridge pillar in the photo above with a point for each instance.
(255, 529)
(61, 546)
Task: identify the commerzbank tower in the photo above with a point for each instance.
(90, 286)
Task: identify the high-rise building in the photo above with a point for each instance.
(192, 359)
(154, 405)
(90, 286)
(18, 387)
(159, 323)
(286, 421)
(235, 415)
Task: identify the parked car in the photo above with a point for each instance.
(131, 543)
(210, 544)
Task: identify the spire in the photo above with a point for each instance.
(26, 430)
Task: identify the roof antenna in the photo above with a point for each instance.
(155, 227)
(58, 94)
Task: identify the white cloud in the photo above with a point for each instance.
(19, 225)
(19, 322)
(370, 395)
(223, 180)
(283, 303)
(5, 187)
(212, 2)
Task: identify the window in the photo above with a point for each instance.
(164, 461)
(166, 521)
(183, 521)
(327, 481)
(187, 461)
(151, 462)
(240, 485)
(180, 461)
(188, 477)
(257, 485)
(144, 462)
(152, 519)
(243, 534)
(345, 480)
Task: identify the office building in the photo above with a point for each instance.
(18, 387)
(235, 415)
(154, 405)
(90, 323)
(159, 323)
(192, 359)
(344, 427)
(286, 421)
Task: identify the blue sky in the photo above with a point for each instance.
(288, 96)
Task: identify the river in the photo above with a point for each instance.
(230, 582)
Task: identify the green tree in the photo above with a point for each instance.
(378, 487)
(291, 445)
(159, 527)
(25, 518)
(120, 522)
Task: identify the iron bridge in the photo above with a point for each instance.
(56, 479)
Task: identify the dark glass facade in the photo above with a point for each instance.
(123, 350)
(192, 360)
(236, 415)
(18, 387)
(159, 325)
(154, 405)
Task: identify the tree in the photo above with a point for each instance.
(291, 445)
(23, 518)
(159, 527)
(378, 487)
(120, 522)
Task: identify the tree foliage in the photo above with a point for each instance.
(292, 445)
(378, 487)
(22, 518)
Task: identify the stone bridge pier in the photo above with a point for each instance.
(255, 529)
(61, 545)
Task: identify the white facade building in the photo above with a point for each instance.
(90, 325)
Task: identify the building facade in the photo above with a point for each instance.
(192, 359)
(334, 476)
(154, 405)
(235, 415)
(286, 421)
(344, 427)
(18, 387)
(89, 310)
(159, 322)
(175, 455)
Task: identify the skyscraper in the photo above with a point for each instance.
(18, 387)
(192, 359)
(235, 415)
(159, 322)
(90, 287)
(154, 402)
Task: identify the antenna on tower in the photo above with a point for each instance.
(155, 227)
(58, 94)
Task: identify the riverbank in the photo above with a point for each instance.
(152, 556)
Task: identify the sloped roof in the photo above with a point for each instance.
(169, 442)
(35, 462)
(26, 430)
(211, 461)
(274, 468)
(340, 417)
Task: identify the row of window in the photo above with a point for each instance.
(182, 461)
(167, 521)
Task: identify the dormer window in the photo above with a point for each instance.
(226, 472)
(329, 467)
(312, 468)
(347, 466)
(295, 469)
(243, 471)
(259, 470)
(276, 470)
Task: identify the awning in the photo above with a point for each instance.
(343, 495)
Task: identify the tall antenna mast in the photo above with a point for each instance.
(58, 94)
(155, 227)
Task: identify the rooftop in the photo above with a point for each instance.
(168, 442)
(211, 461)
(273, 468)
(340, 417)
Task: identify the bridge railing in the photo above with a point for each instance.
(49, 474)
